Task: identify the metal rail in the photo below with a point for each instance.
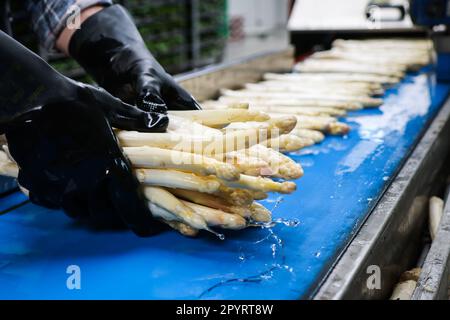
(389, 240)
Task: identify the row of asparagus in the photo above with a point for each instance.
(352, 75)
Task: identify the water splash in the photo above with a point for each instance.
(221, 236)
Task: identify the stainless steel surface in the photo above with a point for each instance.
(433, 282)
(389, 240)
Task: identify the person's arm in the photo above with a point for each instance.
(109, 47)
(52, 18)
(63, 39)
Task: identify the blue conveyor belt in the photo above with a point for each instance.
(344, 178)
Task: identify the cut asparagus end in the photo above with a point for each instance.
(284, 124)
(290, 171)
(315, 135)
(338, 128)
(183, 228)
(238, 197)
(214, 217)
(239, 105)
(260, 213)
(169, 202)
(177, 179)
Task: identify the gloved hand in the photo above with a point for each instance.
(110, 48)
(68, 157)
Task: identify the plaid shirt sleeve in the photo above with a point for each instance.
(49, 17)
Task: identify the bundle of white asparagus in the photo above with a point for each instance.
(198, 176)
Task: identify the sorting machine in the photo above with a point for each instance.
(359, 212)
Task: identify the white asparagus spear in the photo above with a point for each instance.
(261, 184)
(403, 290)
(435, 213)
(185, 126)
(217, 218)
(326, 124)
(244, 163)
(243, 94)
(405, 62)
(258, 195)
(337, 55)
(183, 228)
(238, 105)
(291, 102)
(260, 213)
(281, 165)
(383, 44)
(169, 202)
(156, 158)
(342, 77)
(288, 143)
(320, 66)
(221, 117)
(211, 201)
(302, 110)
(177, 179)
(314, 135)
(412, 274)
(294, 83)
(285, 123)
(216, 105)
(332, 90)
(8, 167)
(207, 145)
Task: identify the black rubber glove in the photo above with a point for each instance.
(110, 48)
(68, 157)
(28, 82)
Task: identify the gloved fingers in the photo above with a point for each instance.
(130, 203)
(154, 122)
(149, 100)
(178, 98)
(120, 114)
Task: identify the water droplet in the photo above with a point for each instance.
(287, 223)
(221, 236)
